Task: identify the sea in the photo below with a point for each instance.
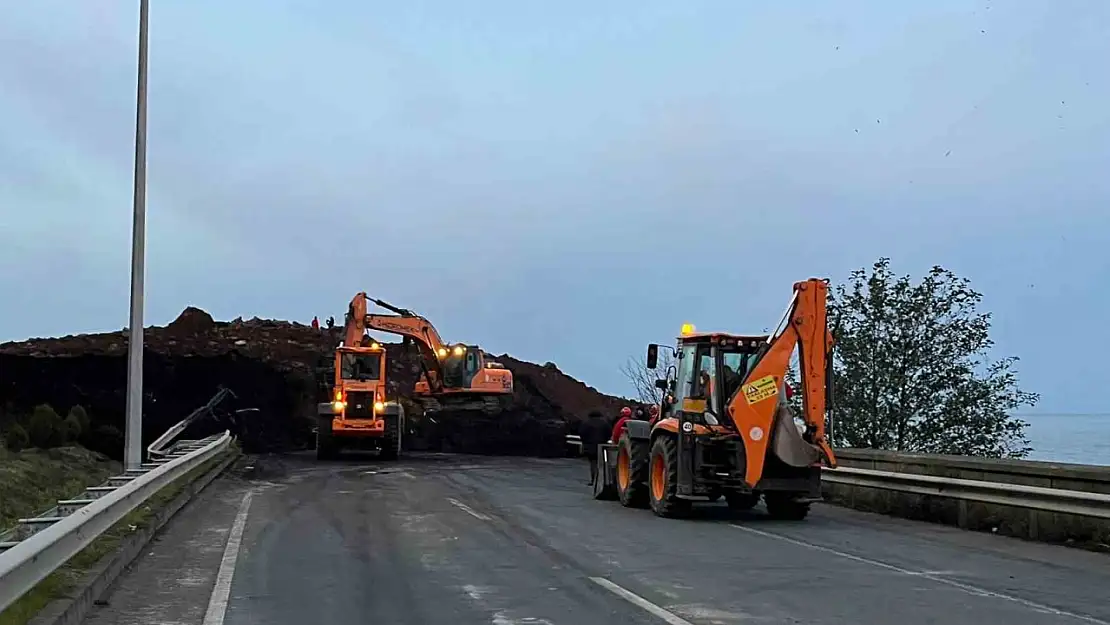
(1072, 438)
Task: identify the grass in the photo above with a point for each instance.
(62, 581)
(31, 481)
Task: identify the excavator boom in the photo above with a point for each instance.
(449, 370)
(756, 403)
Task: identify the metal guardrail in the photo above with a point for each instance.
(999, 493)
(1017, 495)
(37, 546)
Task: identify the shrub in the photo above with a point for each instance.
(72, 429)
(17, 438)
(78, 412)
(46, 429)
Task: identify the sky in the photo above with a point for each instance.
(563, 181)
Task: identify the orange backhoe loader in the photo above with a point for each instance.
(357, 413)
(453, 377)
(725, 428)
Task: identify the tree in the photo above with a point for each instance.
(643, 379)
(912, 371)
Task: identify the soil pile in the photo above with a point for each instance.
(273, 366)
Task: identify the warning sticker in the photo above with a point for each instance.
(761, 389)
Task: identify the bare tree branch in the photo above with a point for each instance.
(643, 379)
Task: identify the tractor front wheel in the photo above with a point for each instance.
(632, 472)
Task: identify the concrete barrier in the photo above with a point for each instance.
(1007, 520)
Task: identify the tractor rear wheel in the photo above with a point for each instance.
(785, 506)
(664, 479)
(632, 472)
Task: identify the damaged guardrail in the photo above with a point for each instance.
(39, 545)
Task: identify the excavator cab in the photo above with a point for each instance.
(460, 363)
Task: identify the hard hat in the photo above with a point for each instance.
(626, 412)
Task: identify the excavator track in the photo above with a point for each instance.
(484, 405)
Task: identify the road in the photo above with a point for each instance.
(284, 540)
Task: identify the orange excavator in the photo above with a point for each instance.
(454, 377)
(725, 427)
(358, 414)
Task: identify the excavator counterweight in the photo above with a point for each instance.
(725, 426)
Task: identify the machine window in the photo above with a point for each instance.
(735, 366)
(705, 374)
(684, 387)
(361, 367)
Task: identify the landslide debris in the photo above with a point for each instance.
(274, 366)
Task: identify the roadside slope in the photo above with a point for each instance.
(33, 479)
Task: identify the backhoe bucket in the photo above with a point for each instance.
(788, 443)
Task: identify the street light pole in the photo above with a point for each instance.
(133, 437)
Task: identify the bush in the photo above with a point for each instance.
(17, 438)
(78, 412)
(47, 429)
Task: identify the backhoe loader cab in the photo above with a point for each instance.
(725, 428)
(358, 414)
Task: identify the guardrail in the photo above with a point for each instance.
(1055, 500)
(1052, 500)
(37, 546)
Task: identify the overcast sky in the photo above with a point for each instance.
(563, 181)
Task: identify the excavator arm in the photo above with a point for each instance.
(404, 323)
(754, 406)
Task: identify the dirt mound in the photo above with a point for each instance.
(191, 321)
(573, 397)
(272, 365)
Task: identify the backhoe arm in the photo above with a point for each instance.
(404, 323)
(753, 406)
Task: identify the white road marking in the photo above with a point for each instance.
(640, 602)
(930, 575)
(221, 593)
(467, 509)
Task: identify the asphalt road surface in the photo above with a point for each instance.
(429, 539)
